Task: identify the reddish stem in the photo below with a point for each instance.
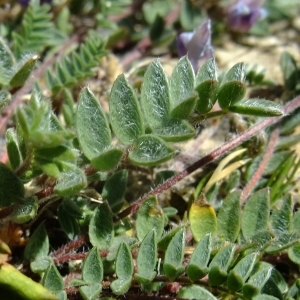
(257, 175)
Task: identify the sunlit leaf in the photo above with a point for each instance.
(203, 218)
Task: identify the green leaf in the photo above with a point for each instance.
(5, 98)
(124, 263)
(92, 126)
(261, 240)
(174, 256)
(219, 265)
(147, 259)
(157, 28)
(107, 160)
(155, 95)
(290, 122)
(195, 292)
(256, 213)
(11, 187)
(26, 211)
(92, 270)
(202, 218)
(229, 217)
(23, 70)
(101, 227)
(70, 183)
(166, 239)
(282, 213)
(68, 223)
(260, 276)
(124, 111)
(294, 253)
(52, 280)
(197, 267)
(284, 240)
(149, 217)
(41, 264)
(289, 69)
(150, 150)
(175, 130)
(117, 241)
(184, 109)
(182, 89)
(264, 297)
(114, 189)
(206, 84)
(7, 62)
(124, 270)
(240, 273)
(38, 245)
(44, 140)
(90, 292)
(232, 88)
(257, 107)
(13, 148)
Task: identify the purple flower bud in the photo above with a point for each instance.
(196, 44)
(244, 13)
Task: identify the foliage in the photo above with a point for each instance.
(80, 147)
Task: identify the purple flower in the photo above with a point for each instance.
(196, 44)
(242, 14)
(26, 2)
